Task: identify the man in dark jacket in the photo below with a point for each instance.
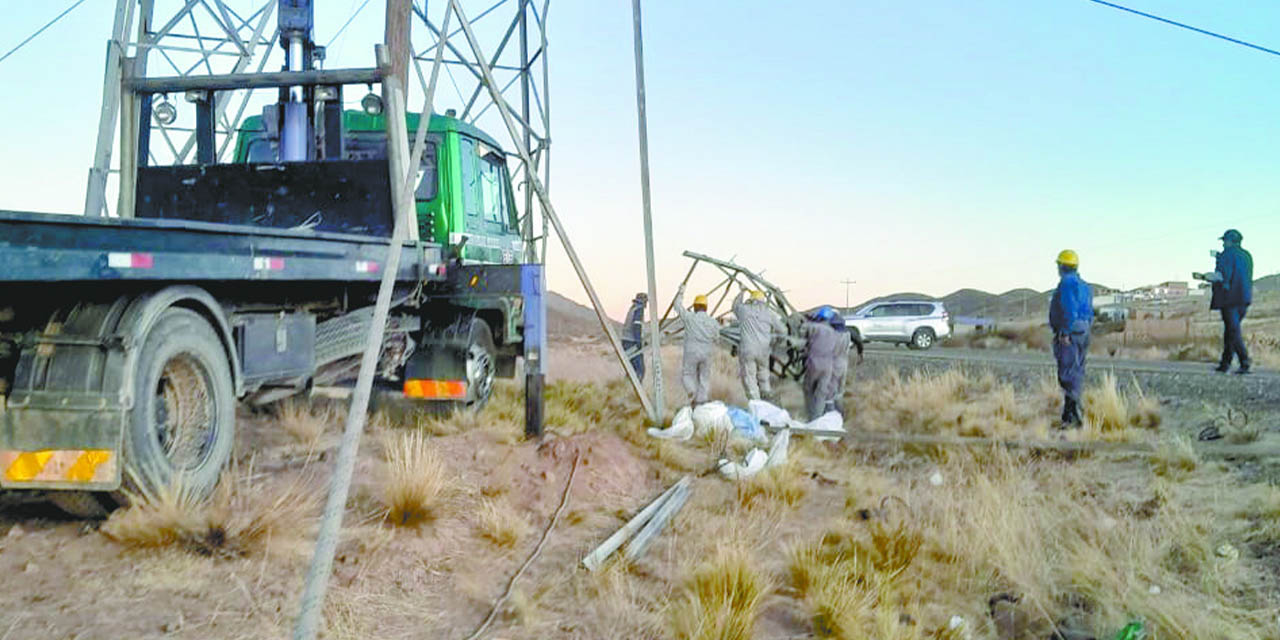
(633, 333)
(1071, 317)
(1232, 294)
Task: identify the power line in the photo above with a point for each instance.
(1189, 27)
(345, 24)
(41, 30)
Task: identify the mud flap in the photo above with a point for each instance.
(62, 441)
(436, 362)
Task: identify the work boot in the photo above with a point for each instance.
(1071, 415)
(1222, 368)
(1243, 370)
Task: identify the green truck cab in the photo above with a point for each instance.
(464, 194)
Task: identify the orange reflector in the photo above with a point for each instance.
(435, 389)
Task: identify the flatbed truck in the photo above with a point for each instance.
(127, 342)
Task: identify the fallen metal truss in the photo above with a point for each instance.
(788, 352)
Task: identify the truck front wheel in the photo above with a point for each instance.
(183, 422)
(481, 364)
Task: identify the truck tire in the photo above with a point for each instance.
(922, 339)
(183, 420)
(481, 365)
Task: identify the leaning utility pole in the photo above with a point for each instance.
(655, 351)
(402, 164)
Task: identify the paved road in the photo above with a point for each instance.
(1175, 382)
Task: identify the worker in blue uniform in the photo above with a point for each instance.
(1071, 317)
(633, 334)
(1232, 280)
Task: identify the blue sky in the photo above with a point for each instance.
(922, 146)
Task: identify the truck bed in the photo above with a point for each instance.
(43, 247)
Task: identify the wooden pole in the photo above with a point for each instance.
(397, 40)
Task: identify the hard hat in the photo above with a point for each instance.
(699, 300)
(757, 294)
(642, 296)
(1232, 235)
(824, 313)
(1068, 258)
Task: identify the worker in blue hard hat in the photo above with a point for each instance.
(844, 341)
(1071, 317)
(822, 344)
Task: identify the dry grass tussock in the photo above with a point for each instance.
(239, 519)
(784, 485)
(1175, 457)
(1072, 549)
(1108, 408)
(500, 524)
(304, 420)
(847, 579)
(964, 403)
(953, 402)
(722, 598)
(414, 481)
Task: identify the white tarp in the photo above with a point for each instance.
(681, 427)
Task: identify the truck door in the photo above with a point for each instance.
(491, 227)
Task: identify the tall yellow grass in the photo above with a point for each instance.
(238, 519)
(721, 598)
(413, 480)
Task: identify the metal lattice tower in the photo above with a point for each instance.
(174, 38)
(517, 62)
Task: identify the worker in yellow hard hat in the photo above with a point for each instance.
(1071, 317)
(758, 325)
(700, 333)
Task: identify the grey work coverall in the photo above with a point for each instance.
(843, 343)
(700, 333)
(758, 324)
(822, 343)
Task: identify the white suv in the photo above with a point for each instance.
(915, 323)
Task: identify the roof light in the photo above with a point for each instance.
(164, 112)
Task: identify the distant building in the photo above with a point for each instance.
(1171, 290)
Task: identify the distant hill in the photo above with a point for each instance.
(566, 318)
(1267, 283)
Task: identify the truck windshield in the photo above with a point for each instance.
(372, 145)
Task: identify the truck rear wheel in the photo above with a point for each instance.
(481, 364)
(183, 421)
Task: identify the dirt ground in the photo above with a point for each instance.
(68, 579)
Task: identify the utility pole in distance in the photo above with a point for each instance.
(847, 284)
